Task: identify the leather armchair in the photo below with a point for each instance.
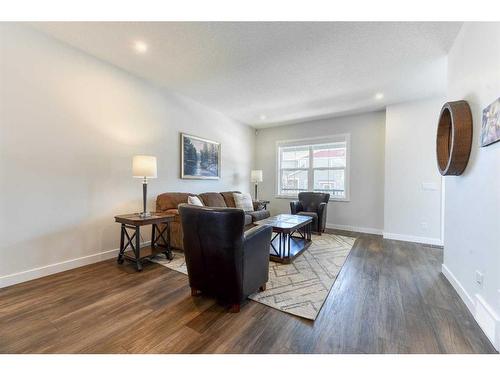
(313, 205)
(222, 260)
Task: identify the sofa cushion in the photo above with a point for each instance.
(259, 215)
(195, 201)
(243, 201)
(168, 201)
(248, 219)
(228, 198)
(213, 200)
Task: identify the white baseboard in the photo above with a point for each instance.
(50, 269)
(488, 320)
(417, 239)
(482, 312)
(466, 297)
(391, 236)
(354, 229)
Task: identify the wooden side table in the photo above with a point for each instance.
(134, 222)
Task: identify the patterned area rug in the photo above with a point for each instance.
(299, 288)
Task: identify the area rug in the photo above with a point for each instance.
(299, 288)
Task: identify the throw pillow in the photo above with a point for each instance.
(243, 201)
(195, 201)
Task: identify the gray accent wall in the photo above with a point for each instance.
(365, 209)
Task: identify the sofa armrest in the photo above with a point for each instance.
(295, 206)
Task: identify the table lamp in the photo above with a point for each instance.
(256, 177)
(144, 166)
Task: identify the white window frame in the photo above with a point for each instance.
(345, 137)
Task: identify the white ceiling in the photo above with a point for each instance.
(283, 71)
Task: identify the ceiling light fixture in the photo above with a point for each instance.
(379, 96)
(140, 46)
(262, 117)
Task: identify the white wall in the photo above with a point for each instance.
(472, 203)
(412, 204)
(365, 210)
(70, 125)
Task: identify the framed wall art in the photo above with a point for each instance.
(490, 129)
(200, 158)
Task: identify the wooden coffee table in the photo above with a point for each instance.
(292, 236)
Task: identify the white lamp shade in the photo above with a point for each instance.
(144, 166)
(256, 175)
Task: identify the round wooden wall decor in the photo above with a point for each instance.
(454, 138)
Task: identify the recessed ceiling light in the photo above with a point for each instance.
(262, 117)
(379, 96)
(140, 46)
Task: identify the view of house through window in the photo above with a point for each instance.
(320, 167)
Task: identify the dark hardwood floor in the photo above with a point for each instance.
(390, 297)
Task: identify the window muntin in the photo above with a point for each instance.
(295, 157)
(329, 156)
(320, 167)
(330, 181)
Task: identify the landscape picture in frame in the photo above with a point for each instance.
(490, 129)
(200, 158)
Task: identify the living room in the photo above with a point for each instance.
(249, 187)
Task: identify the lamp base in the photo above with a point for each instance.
(144, 214)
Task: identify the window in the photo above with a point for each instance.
(314, 165)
